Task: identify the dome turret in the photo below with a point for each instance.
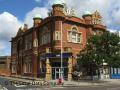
(37, 16)
(37, 20)
(58, 2)
(87, 13)
(87, 16)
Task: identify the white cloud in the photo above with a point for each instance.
(38, 0)
(112, 30)
(37, 10)
(2, 46)
(8, 28)
(109, 9)
(105, 7)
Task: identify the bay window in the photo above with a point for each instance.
(74, 36)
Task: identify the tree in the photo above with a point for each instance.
(99, 49)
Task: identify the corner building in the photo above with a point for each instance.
(36, 52)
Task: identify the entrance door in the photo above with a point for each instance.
(57, 73)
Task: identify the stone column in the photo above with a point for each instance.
(69, 68)
(48, 70)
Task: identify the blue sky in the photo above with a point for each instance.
(14, 13)
(19, 7)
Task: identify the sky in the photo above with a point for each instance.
(14, 13)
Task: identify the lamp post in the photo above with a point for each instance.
(61, 52)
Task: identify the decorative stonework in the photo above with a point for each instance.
(48, 70)
(70, 68)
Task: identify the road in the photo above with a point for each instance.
(5, 84)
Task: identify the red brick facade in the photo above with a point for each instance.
(34, 51)
(5, 65)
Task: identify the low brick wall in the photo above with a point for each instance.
(4, 72)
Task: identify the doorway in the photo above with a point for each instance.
(56, 70)
(56, 73)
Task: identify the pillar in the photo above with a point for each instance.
(69, 68)
(48, 70)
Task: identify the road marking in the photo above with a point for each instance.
(19, 85)
(5, 88)
(113, 88)
(49, 88)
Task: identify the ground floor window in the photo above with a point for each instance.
(13, 68)
(115, 70)
(27, 65)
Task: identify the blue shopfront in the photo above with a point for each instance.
(53, 62)
(115, 73)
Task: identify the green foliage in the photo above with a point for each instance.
(99, 49)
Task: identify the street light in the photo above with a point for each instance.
(61, 52)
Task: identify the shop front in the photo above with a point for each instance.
(53, 66)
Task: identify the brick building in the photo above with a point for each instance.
(5, 65)
(36, 52)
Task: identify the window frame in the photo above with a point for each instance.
(57, 35)
(28, 42)
(70, 35)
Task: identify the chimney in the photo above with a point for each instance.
(37, 20)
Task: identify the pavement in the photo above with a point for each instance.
(40, 82)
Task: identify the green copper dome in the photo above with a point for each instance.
(87, 13)
(58, 2)
(37, 16)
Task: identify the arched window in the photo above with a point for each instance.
(74, 36)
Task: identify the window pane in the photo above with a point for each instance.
(74, 37)
(118, 70)
(69, 37)
(57, 35)
(79, 38)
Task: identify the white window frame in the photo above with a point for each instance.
(70, 36)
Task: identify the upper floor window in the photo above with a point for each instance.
(74, 36)
(45, 36)
(57, 35)
(28, 42)
(14, 48)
